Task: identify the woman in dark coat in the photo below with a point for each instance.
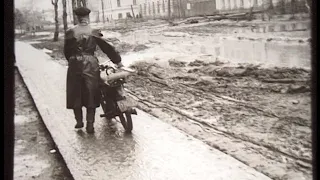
(83, 68)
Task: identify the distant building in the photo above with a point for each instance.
(155, 8)
(230, 5)
(115, 9)
(200, 7)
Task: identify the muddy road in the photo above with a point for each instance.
(154, 150)
(260, 121)
(244, 93)
(32, 156)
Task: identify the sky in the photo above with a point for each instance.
(41, 4)
(38, 4)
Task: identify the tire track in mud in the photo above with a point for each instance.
(213, 97)
(236, 136)
(230, 140)
(301, 164)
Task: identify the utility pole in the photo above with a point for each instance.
(32, 12)
(74, 6)
(134, 17)
(102, 7)
(169, 9)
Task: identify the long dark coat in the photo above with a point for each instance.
(83, 67)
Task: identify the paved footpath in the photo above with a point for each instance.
(155, 150)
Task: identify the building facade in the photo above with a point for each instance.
(155, 8)
(121, 9)
(115, 9)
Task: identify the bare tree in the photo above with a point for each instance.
(307, 3)
(255, 3)
(293, 8)
(84, 3)
(223, 4)
(235, 4)
(270, 5)
(74, 6)
(282, 6)
(79, 2)
(19, 19)
(229, 4)
(169, 10)
(98, 17)
(241, 4)
(69, 7)
(56, 32)
(268, 8)
(65, 15)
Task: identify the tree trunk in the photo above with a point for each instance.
(270, 7)
(282, 7)
(241, 4)
(235, 4)
(223, 4)
(69, 7)
(98, 17)
(102, 7)
(79, 3)
(65, 15)
(169, 10)
(307, 3)
(74, 6)
(293, 8)
(84, 3)
(255, 3)
(134, 17)
(56, 32)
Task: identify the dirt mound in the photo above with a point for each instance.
(140, 47)
(175, 63)
(124, 47)
(253, 71)
(281, 73)
(184, 78)
(149, 69)
(199, 63)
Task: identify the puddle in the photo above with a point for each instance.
(266, 53)
(286, 27)
(232, 50)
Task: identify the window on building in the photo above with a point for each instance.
(158, 7)
(118, 3)
(134, 2)
(119, 15)
(145, 9)
(149, 9)
(128, 15)
(163, 6)
(153, 8)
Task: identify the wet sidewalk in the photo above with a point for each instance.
(155, 150)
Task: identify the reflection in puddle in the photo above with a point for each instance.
(268, 53)
(300, 26)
